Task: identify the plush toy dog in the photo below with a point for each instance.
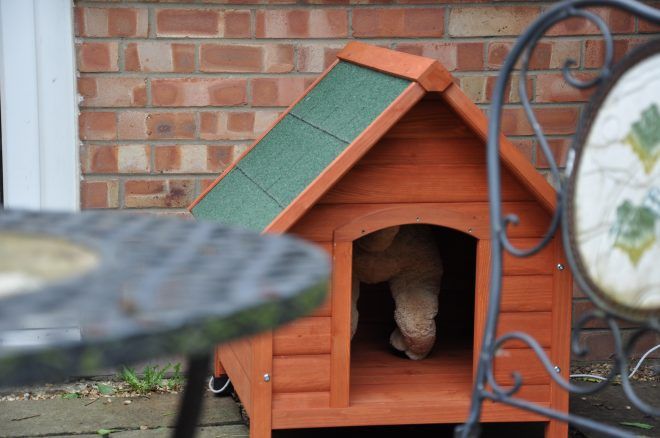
(407, 258)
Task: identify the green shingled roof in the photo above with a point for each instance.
(300, 147)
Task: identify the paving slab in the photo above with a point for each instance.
(61, 417)
(612, 407)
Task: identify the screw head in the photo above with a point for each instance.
(557, 369)
(560, 266)
(266, 377)
(417, 219)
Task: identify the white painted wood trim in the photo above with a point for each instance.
(39, 105)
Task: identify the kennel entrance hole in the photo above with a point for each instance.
(380, 375)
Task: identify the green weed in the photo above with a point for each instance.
(152, 378)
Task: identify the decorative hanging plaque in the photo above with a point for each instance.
(614, 192)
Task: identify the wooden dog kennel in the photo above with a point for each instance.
(384, 138)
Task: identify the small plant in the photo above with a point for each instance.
(152, 378)
(175, 382)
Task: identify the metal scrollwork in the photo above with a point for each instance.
(486, 385)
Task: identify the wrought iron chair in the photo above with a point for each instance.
(630, 230)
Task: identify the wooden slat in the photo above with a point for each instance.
(482, 289)
(321, 221)
(536, 324)
(561, 334)
(429, 73)
(458, 151)
(525, 362)
(527, 293)
(255, 142)
(514, 160)
(340, 165)
(439, 410)
(218, 368)
(393, 183)
(340, 368)
(240, 380)
(301, 373)
(242, 349)
(262, 391)
(300, 400)
(432, 120)
(423, 213)
(542, 263)
(304, 336)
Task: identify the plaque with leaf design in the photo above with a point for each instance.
(613, 204)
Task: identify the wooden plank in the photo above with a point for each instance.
(429, 73)
(242, 349)
(240, 380)
(527, 293)
(443, 408)
(542, 263)
(300, 400)
(258, 139)
(536, 324)
(394, 183)
(513, 159)
(262, 390)
(441, 151)
(304, 336)
(310, 373)
(338, 168)
(432, 120)
(218, 368)
(561, 335)
(422, 213)
(340, 367)
(525, 362)
(481, 297)
(322, 220)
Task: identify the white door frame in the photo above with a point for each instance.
(39, 105)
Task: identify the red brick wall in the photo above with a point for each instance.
(172, 91)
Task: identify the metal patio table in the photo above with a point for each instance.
(144, 286)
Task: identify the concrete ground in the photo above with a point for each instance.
(154, 416)
(143, 417)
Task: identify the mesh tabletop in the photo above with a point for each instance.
(158, 286)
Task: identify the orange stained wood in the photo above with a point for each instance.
(304, 336)
(542, 263)
(398, 183)
(308, 373)
(460, 151)
(406, 410)
(218, 369)
(561, 335)
(342, 263)
(239, 378)
(523, 361)
(536, 324)
(481, 286)
(261, 388)
(243, 350)
(387, 389)
(433, 120)
(283, 401)
(429, 73)
(320, 223)
(512, 158)
(527, 293)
